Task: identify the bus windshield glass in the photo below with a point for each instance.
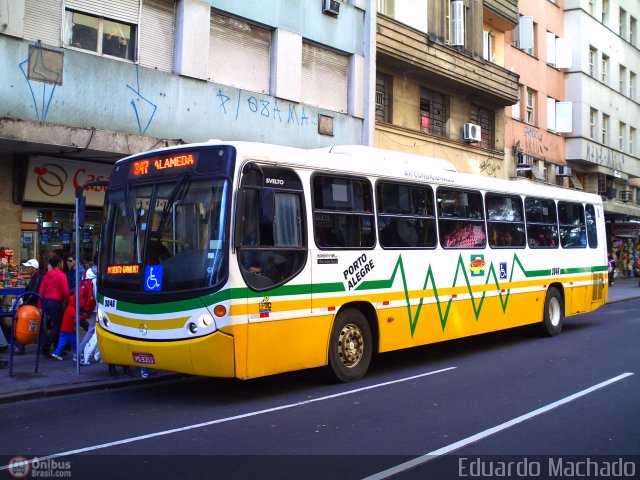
(168, 236)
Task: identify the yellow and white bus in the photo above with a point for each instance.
(245, 259)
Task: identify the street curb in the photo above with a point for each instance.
(68, 389)
(610, 302)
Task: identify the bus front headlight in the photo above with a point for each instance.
(205, 320)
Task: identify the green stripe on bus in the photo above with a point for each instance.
(338, 287)
(461, 267)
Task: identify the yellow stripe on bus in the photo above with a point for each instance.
(164, 324)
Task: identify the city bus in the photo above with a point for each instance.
(239, 259)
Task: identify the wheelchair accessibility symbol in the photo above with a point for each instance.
(153, 278)
(503, 270)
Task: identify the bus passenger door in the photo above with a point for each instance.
(272, 253)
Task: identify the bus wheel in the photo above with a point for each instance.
(553, 313)
(350, 346)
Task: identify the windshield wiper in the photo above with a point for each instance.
(170, 203)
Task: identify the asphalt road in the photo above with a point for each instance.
(432, 412)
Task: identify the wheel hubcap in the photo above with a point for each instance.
(350, 345)
(554, 312)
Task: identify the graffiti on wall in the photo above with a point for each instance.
(143, 108)
(534, 144)
(41, 79)
(42, 75)
(264, 107)
(605, 156)
(490, 166)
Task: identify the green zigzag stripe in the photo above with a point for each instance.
(338, 287)
(477, 308)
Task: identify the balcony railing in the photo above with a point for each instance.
(412, 48)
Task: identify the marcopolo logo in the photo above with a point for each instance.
(21, 467)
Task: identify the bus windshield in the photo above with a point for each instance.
(165, 237)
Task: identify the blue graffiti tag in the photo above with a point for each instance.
(40, 71)
(141, 98)
(265, 107)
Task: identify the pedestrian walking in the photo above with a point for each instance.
(54, 290)
(611, 268)
(67, 330)
(86, 356)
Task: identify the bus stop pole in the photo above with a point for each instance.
(80, 211)
(77, 287)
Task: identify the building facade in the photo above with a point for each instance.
(602, 149)
(535, 126)
(86, 82)
(441, 83)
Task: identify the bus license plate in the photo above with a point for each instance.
(146, 358)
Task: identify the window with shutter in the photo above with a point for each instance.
(125, 11)
(157, 30)
(383, 97)
(239, 54)
(42, 21)
(433, 112)
(101, 35)
(457, 23)
(324, 78)
(486, 119)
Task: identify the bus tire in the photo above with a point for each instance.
(350, 346)
(553, 313)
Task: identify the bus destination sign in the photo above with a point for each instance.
(129, 269)
(159, 165)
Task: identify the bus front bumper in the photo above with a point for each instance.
(211, 355)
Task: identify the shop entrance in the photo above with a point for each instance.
(56, 230)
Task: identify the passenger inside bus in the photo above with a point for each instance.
(463, 234)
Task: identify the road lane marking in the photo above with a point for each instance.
(227, 419)
(490, 431)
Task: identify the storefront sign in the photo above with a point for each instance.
(54, 180)
(626, 229)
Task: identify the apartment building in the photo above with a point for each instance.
(86, 82)
(441, 82)
(536, 125)
(602, 83)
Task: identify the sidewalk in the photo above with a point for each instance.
(56, 377)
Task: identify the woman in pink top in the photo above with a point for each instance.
(54, 290)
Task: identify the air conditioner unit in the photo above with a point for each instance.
(524, 160)
(472, 132)
(331, 7)
(562, 171)
(612, 193)
(625, 196)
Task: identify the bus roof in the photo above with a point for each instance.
(376, 162)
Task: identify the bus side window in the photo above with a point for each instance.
(541, 222)
(573, 232)
(342, 212)
(592, 229)
(405, 215)
(504, 218)
(461, 218)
